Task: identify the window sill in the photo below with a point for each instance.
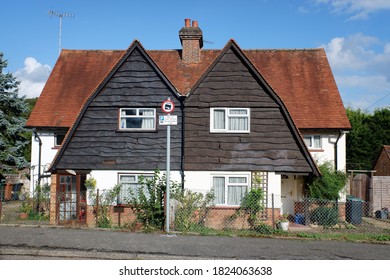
(225, 207)
(317, 150)
(136, 131)
(230, 132)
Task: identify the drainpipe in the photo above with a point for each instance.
(336, 150)
(182, 142)
(37, 138)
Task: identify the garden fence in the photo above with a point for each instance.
(195, 212)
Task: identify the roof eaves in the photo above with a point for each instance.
(283, 106)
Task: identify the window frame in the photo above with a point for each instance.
(312, 142)
(228, 115)
(136, 182)
(226, 187)
(121, 117)
(58, 136)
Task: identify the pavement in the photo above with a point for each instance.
(53, 242)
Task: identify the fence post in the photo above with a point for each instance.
(1, 202)
(97, 207)
(273, 210)
(306, 208)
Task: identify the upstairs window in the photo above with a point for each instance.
(137, 119)
(313, 141)
(235, 120)
(59, 138)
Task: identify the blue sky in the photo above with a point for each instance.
(354, 33)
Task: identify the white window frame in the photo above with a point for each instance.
(227, 183)
(126, 185)
(123, 117)
(228, 116)
(57, 137)
(312, 140)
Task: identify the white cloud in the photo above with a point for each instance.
(33, 77)
(357, 9)
(360, 64)
(351, 53)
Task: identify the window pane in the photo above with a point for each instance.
(133, 123)
(317, 141)
(238, 111)
(148, 123)
(237, 180)
(129, 112)
(219, 119)
(126, 192)
(127, 178)
(307, 141)
(146, 112)
(238, 123)
(219, 190)
(235, 194)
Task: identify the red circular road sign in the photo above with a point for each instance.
(167, 106)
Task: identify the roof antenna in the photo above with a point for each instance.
(60, 15)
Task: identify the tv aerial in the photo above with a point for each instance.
(60, 15)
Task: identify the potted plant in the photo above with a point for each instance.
(283, 222)
(25, 209)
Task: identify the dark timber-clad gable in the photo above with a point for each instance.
(96, 143)
(273, 143)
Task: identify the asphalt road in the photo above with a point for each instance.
(28, 242)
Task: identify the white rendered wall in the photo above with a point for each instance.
(327, 153)
(107, 179)
(48, 152)
(201, 181)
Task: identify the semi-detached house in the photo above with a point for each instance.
(269, 114)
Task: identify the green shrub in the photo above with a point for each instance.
(329, 185)
(148, 202)
(252, 204)
(325, 216)
(264, 229)
(192, 206)
(102, 199)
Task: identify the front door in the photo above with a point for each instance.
(71, 199)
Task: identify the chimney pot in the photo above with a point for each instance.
(187, 22)
(195, 23)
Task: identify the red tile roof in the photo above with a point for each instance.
(75, 75)
(302, 78)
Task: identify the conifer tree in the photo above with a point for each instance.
(13, 136)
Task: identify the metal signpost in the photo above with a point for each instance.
(168, 106)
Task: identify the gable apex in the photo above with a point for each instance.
(232, 81)
(98, 95)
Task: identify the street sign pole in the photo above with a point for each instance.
(167, 107)
(168, 177)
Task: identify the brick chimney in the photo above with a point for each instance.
(191, 38)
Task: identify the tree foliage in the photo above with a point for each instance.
(329, 185)
(148, 201)
(369, 132)
(14, 138)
